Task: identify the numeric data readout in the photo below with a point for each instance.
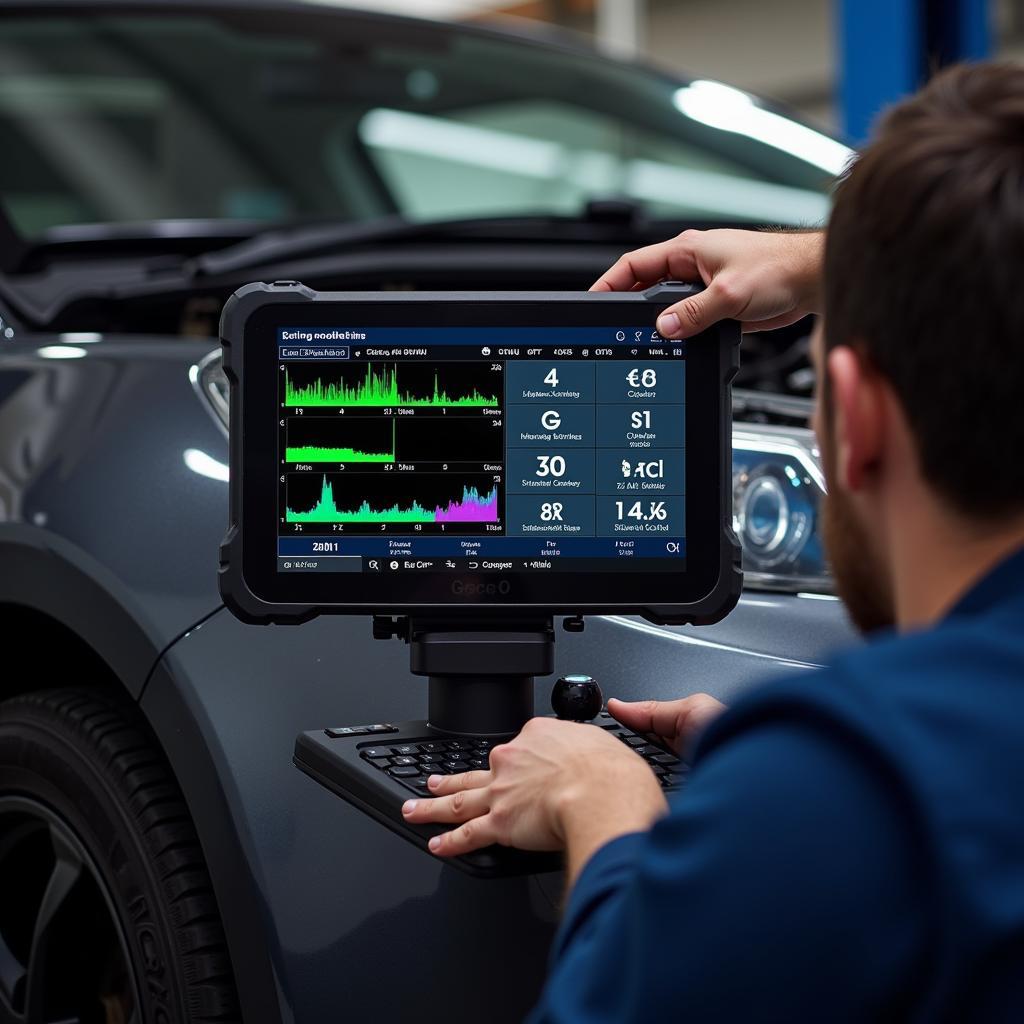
(458, 450)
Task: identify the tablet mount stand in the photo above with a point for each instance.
(480, 673)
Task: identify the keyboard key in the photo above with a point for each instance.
(381, 727)
(664, 759)
(418, 786)
(476, 762)
(636, 741)
(648, 750)
(403, 761)
(456, 767)
(373, 753)
(404, 771)
(433, 748)
(428, 758)
(346, 730)
(406, 749)
(458, 745)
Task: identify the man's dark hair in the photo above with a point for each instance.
(924, 273)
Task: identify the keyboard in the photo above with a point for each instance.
(412, 761)
(378, 767)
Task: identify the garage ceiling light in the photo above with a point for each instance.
(731, 110)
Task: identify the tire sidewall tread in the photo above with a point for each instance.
(91, 760)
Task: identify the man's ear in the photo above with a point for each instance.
(858, 417)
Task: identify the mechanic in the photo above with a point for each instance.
(851, 844)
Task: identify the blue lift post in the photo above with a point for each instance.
(888, 48)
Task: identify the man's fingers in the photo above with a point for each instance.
(719, 301)
(442, 785)
(670, 719)
(651, 263)
(461, 806)
(653, 716)
(473, 835)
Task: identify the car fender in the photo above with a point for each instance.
(48, 574)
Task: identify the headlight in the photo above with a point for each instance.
(777, 489)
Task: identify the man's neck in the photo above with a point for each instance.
(939, 557)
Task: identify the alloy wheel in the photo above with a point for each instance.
(63, 954)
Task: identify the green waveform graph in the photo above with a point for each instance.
(311, 454)
(319, 453)
(377, 391)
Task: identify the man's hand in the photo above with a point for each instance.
(677, 723)
(764, 279)
(556, 785)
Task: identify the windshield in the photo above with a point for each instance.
(264, 117)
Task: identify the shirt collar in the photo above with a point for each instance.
(1001, 584)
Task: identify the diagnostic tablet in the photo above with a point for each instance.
(454, 453)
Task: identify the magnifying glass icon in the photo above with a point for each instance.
(672, 547)
(373, 563)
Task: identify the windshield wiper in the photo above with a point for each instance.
(277, 245)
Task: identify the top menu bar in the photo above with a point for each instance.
(359, 342)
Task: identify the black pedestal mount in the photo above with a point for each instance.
(480, 674)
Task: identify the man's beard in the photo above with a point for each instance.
(861, 578)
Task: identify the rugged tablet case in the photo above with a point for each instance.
(714, 606)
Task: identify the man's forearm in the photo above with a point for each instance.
(808, 258)
(592, 819)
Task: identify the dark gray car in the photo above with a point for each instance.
(160, 857)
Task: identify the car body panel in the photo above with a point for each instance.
(95, 491)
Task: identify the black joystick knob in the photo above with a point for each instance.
(577, 698)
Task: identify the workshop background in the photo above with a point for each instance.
(835, 61)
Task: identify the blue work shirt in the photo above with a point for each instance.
(850, 847)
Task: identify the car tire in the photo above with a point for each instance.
(107, 912)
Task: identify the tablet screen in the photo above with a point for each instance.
(480, 449)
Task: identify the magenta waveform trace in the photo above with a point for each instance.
(471, 509)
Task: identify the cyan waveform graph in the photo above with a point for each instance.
(439, 499)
